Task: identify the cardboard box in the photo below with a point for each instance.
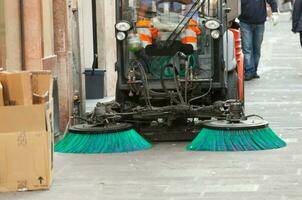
(26, 145)
(3, 81)
(25, 161)
(42, 86)
(25, 88)
(1, 95)
(19, 88)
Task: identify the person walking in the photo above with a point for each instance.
(297, 18)
(252, 20)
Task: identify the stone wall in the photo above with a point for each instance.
(10, 35)
(107, 43)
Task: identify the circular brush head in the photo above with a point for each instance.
(250, 124)
(95, 129)
(247, 135)
(112, 138)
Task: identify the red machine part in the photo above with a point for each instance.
(240, 62)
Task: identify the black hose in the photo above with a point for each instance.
(202, 96)
(162, 81)
(177, 86)
(145, 83)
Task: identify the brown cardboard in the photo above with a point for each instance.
(19, 88)
(3, 80)
(22, 118)
(40, 99)
(41, 86)
(1, 95)
(25, 161)
(26, 141)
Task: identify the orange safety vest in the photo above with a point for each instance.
(189, 35)
(146, 32)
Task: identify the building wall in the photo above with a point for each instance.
(32, 34)
(86, 33)
(10, 35)
(85, 43)
(47, 28)
(40, 35)
(28, 41)
(63, 50)
(2, 36)
(107, 43)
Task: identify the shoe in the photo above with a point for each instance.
(248, 77)
(256, 76)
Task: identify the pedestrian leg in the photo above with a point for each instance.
(258, 34)
(247, 48)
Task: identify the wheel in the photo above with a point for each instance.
(233, 91)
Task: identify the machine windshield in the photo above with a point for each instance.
(157, 22)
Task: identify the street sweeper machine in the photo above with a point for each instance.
(180, 77)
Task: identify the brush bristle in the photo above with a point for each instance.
(239, 140)
(125, 141)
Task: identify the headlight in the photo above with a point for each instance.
(123, 26)
(215, 34)
(121, 36)
(212, 24)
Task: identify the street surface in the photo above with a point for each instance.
(169, 172)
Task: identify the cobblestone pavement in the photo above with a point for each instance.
(168, 172)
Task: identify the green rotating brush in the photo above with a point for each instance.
(248, 135)
(113, 138)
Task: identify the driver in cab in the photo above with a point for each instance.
(158, 19)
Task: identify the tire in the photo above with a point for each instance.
(232, 91)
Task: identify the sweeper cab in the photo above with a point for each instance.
(180, 73)
(177, 65)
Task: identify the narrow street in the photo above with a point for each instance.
(169, 172)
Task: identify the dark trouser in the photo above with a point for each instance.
(301, 38)
(252, 37)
